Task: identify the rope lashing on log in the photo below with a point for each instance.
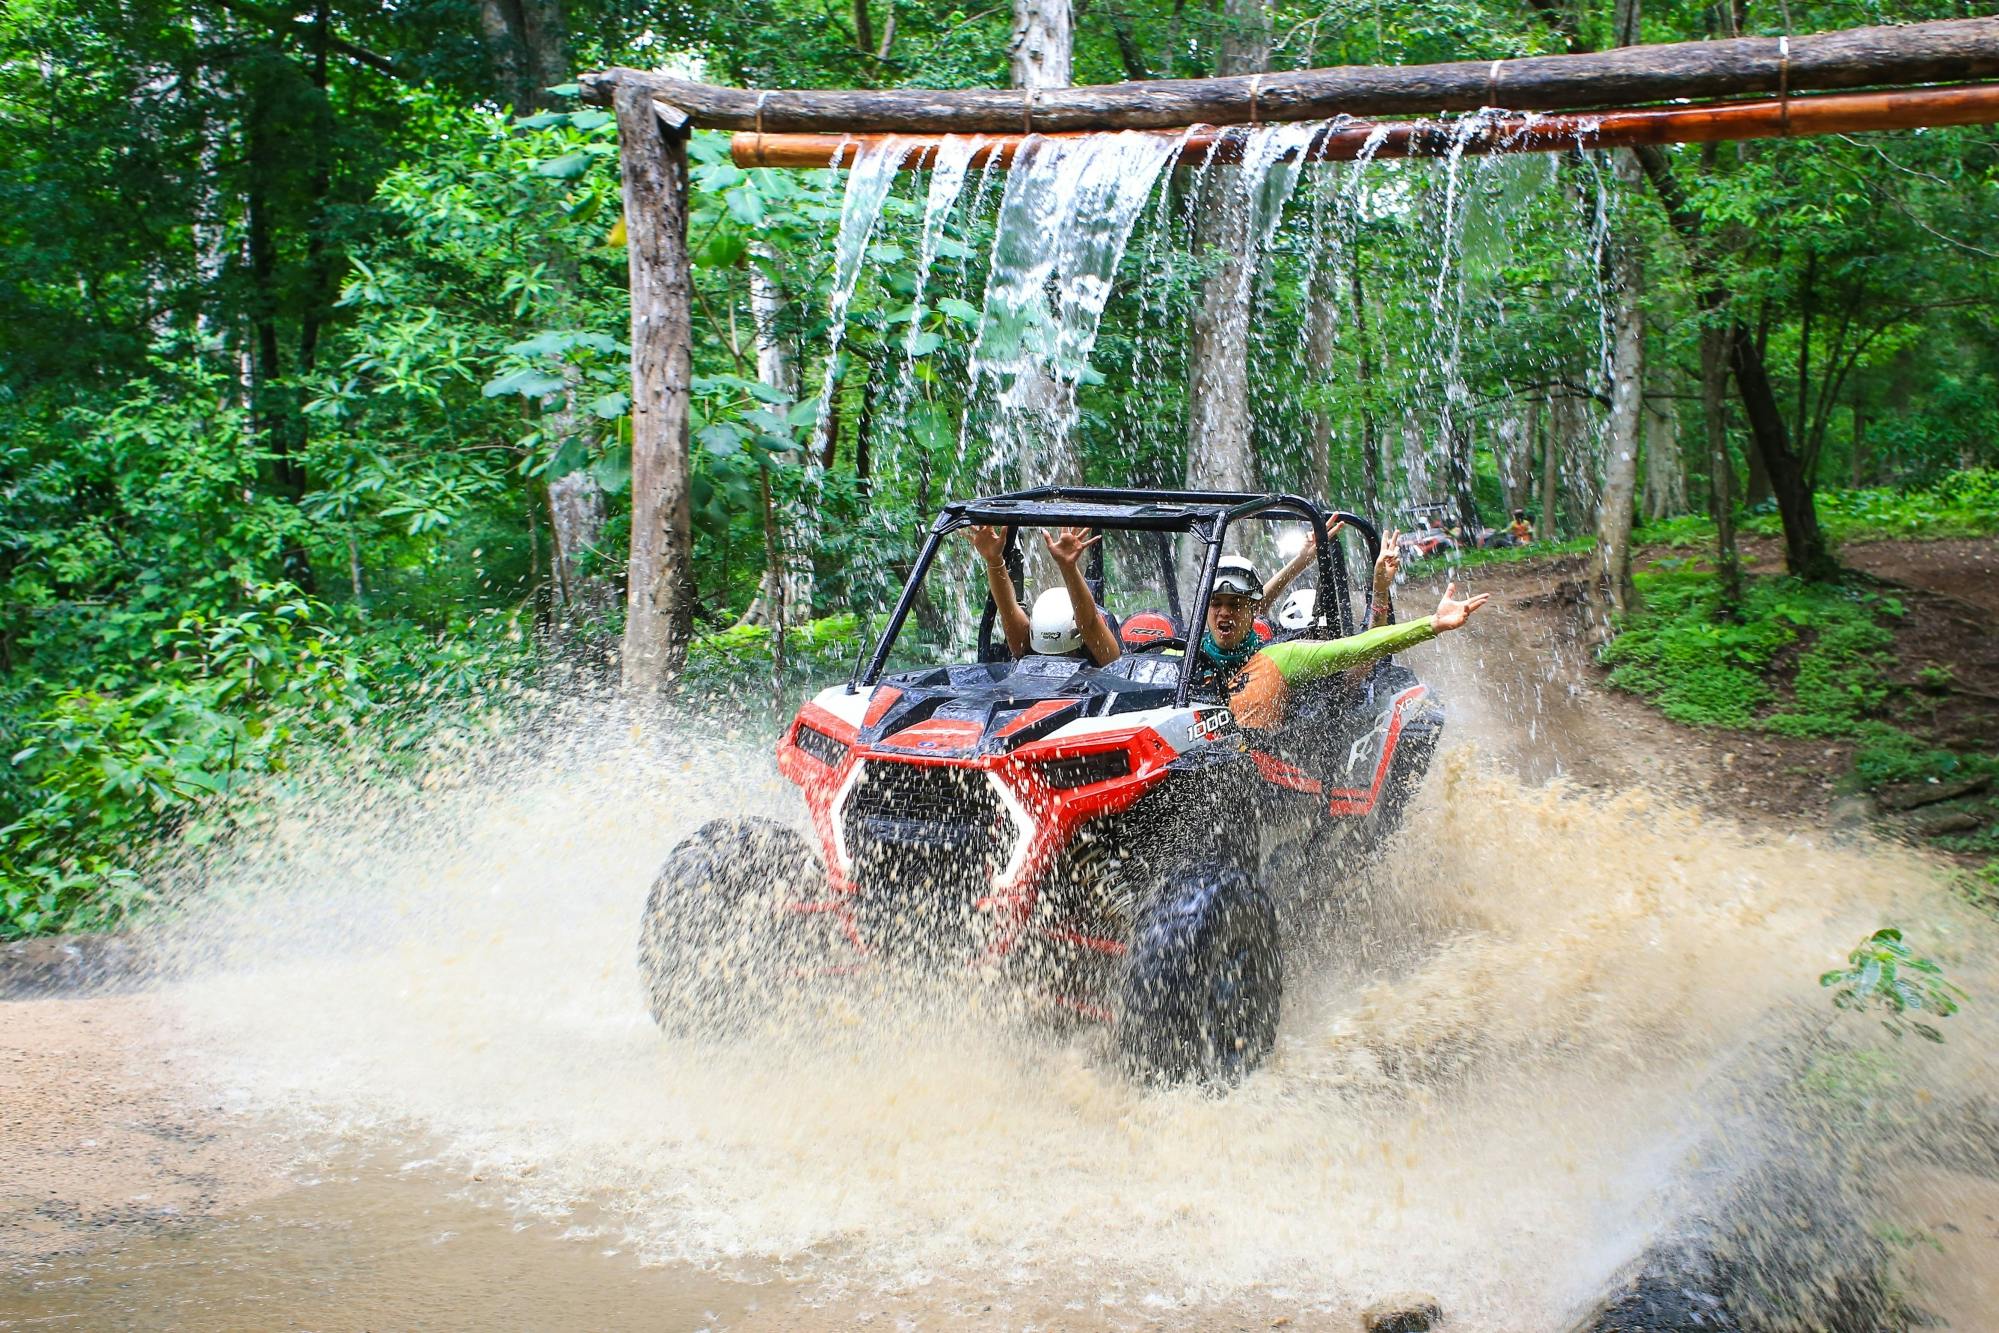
(1826, 113)
(1784, 84)
(1947, 51)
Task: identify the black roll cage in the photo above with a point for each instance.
(1203, 514)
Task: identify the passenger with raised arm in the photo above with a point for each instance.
(1065, 621)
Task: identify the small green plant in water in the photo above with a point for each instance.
(1884, 976)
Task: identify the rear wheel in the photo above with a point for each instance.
(718, 949)
(1205, 980)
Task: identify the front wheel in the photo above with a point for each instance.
(1204, 981)
(718, 950)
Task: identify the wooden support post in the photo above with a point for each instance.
(659, 604)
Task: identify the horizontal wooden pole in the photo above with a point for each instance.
(1949, 51)
(1830, 113)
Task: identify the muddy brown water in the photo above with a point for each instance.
(406, 1079)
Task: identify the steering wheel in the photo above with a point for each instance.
(1156, 645)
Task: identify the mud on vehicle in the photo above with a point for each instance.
(1102, 837)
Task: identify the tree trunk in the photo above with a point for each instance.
(1458, 447)
(1721, 468)
(1220, 455)
(1857, 455)
(1805, 552)
(1627, 411)
(790, 527)
(1665, 472)
(1370, 433)
(659, 605)
(1322, 316)
(1550, 474)
(527, 45)
(575, 520)
(1039, 49)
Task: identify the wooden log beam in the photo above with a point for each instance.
(1952, 50)
(1830, 113)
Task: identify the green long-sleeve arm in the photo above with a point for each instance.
(1309, 659)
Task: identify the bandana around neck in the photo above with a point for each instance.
(1229, 660)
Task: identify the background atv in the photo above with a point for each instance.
(1098, 835)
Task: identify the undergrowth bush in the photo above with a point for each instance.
(1962, 504)
(1705, 671)
(103, 773)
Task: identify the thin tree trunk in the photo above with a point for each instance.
(1805, 552)
(1857, 455)
(1039, 52)
(1458, 447)
(1220, 455)
(1627, 410)
(659, 607)
(1721, 468)
(1550, 475)
(790, 529)
(1370, 433)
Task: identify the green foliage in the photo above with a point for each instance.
(1706, 670)
(280, 413)
(229, 703)
(1882, 975)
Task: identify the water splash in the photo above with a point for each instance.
(1541, 1013)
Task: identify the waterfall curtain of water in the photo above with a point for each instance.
(1056, 349)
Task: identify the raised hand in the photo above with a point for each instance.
(988, 542)
(1068, 547)
(1389, 563)
(1451, 613)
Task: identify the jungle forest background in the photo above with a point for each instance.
(313, 434)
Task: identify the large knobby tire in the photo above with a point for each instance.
(1204, 982)
(718, 952)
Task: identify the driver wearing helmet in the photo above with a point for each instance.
(1065, 621)
(1256, 678)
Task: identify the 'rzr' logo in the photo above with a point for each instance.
(1211, 725)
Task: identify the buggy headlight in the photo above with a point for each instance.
(1023, 833)
(1080, 770)
(819, 745)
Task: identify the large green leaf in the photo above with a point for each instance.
(527, 382)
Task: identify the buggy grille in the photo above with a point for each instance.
(925, 840)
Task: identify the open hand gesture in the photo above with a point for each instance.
(988, 542)
(1451, 613)
(1069, 546)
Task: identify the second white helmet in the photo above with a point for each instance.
(1051, 626)
(1296, 613)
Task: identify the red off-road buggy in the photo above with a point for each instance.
(1097, 835)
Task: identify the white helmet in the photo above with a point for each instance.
(1052, 625)
(1234, 573)
(1296, 613)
